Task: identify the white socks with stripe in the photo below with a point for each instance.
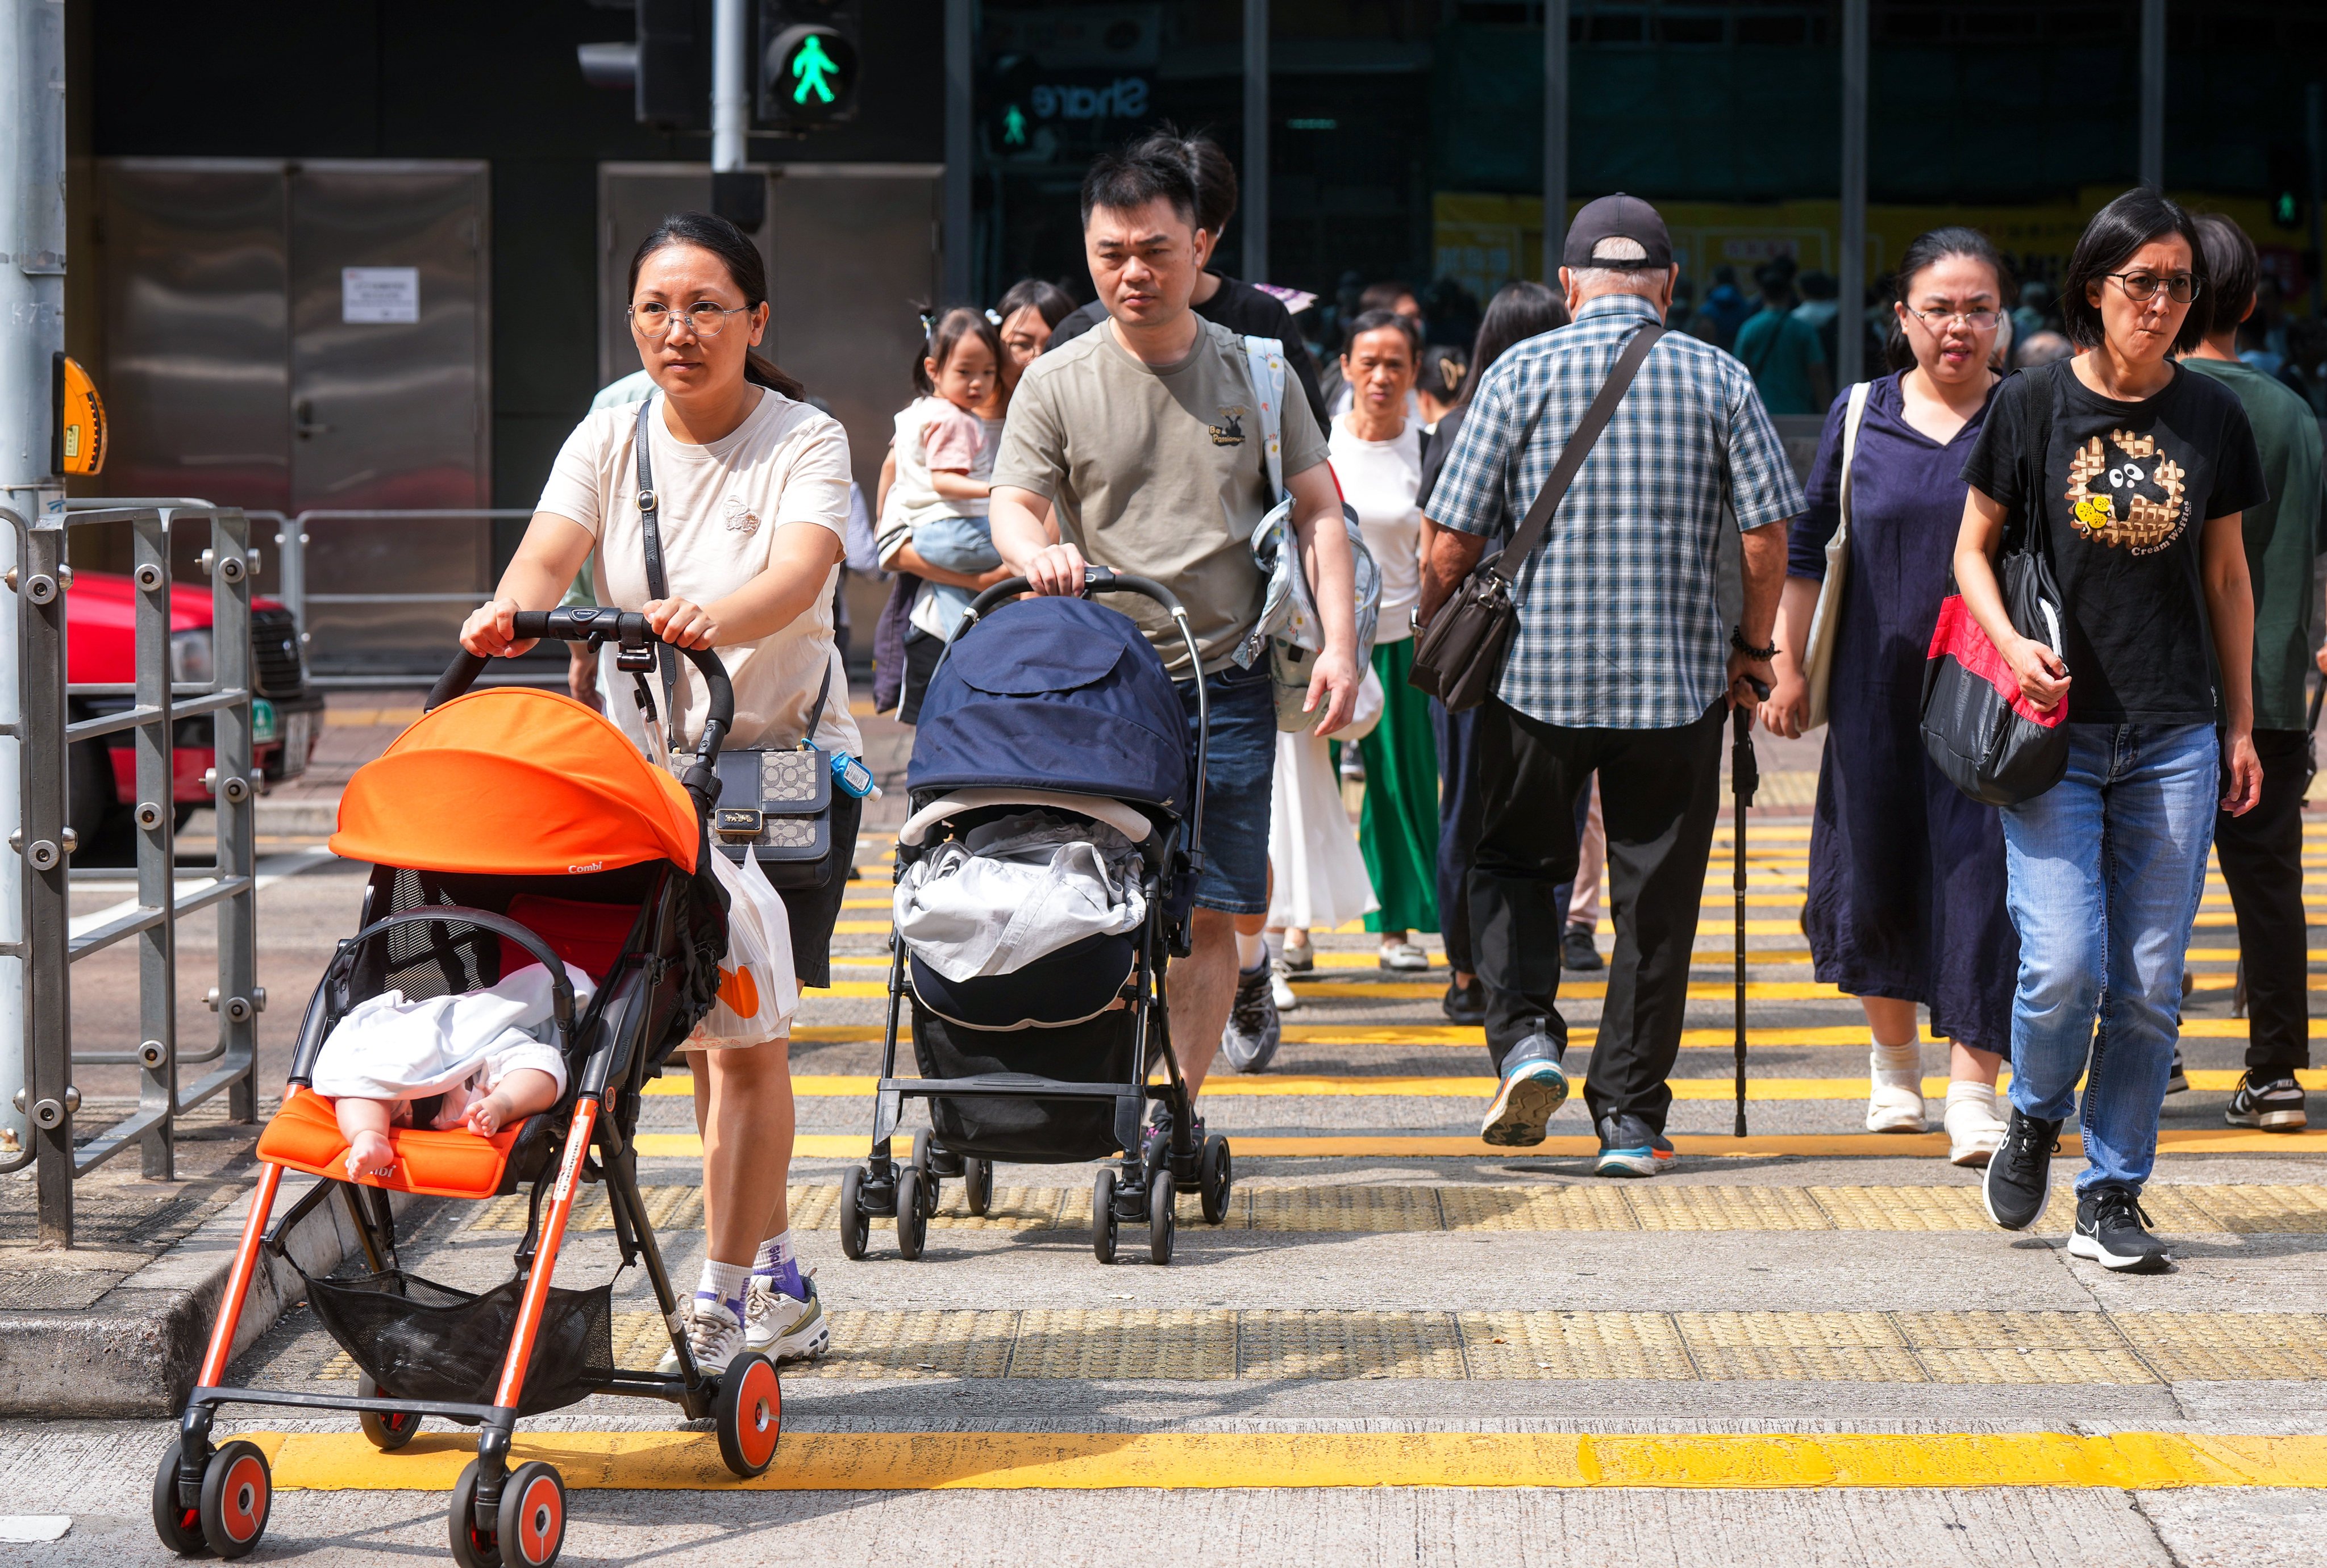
(775, 1262)
(722, 1282)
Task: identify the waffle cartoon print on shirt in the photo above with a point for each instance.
(2125, 491)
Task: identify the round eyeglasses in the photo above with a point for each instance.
(2141, 287)
(704, 319)
(1980, 320)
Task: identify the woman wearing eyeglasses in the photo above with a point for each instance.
(751, 488)
(2132, 474)
(1906, 899)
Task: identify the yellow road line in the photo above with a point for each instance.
(1011, 1461)
(1471, 1036)
(1391, 991)
(1320, 1086)
(1366, 1146)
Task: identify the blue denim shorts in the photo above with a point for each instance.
(1239, 764)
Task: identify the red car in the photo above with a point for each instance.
(287, 715)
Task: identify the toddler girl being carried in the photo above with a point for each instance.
(934, 524)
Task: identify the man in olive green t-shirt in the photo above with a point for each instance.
(1139, 446)
(2262, 852)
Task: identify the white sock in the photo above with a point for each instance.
(1908, 1058)
(1971, 1092)
(723, 1283)
(1250, 951)
(1274, 942)
(774, 1254)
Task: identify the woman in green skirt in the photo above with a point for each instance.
(1376, 454)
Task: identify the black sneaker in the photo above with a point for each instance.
(2177, 1082)
(2113, 1231)
(1250, 1040)
(2019, 1181)
(1577, 951)
(1465, 1003)
(2273, 1102)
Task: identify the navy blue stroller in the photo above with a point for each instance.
(1057, 704)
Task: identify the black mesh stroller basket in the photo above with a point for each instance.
(1031, 1130)
(419, 1339)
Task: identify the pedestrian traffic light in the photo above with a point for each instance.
(2289, 172)
(807, 63)
(666, 69)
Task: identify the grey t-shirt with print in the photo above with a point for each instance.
(1158, 471)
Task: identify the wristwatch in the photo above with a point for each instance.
(1763, 654)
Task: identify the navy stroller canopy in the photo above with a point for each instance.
(1054, 694)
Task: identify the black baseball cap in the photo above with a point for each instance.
(1617, 217)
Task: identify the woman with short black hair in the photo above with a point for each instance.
(2129, 475)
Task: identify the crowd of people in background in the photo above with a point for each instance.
(2001, 407)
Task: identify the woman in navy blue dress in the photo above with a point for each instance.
(1907, 878)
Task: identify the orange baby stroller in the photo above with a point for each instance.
(505, 828)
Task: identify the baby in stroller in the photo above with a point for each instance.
(484, 1061)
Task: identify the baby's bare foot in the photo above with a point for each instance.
(486, 1115)
(370, 1155)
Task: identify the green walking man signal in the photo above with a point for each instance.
(813, 69)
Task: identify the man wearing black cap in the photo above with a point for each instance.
(1621, 665)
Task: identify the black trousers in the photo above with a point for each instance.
(2262, 861)
(1659, 794)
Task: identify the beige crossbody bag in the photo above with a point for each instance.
(1826, 628)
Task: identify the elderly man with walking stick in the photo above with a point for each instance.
(1621, 662)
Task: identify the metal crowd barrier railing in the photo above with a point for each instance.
(49, 945)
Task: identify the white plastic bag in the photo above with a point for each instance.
(758, 992)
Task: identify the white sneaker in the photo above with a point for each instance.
(1973, 1132)
(1406, 957)
(1896, 1104)
(1281, 991)
(712, 1334)
(781, 1327)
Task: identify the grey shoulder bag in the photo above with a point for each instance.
(1459, 657)
(775, 801)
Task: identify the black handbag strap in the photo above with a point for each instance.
(659, 587)
(657, 582)
(1579, 447)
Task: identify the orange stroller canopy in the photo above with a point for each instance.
(515, 782)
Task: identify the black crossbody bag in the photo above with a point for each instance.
(1459, 657)
(775, 802)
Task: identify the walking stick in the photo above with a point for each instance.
(1745, 777)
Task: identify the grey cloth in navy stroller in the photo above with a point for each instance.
(1048, 709)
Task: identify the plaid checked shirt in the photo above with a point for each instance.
(1618, 628)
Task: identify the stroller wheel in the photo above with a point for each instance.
(1162, 1218)
(750, 1413)
(237, 1492)
(387, 1433)
(912, 1216)
(978, 1184)
(925, 1158)
(180, 1527)
(1102, 1221)
(472, 1548)
(1218, 1176)
(533, 1516)
(855, 1225)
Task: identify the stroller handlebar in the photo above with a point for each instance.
(630, 631)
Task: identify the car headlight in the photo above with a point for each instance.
(191, 660)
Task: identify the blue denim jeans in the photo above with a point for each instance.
(2106, 868)
(1233, 876)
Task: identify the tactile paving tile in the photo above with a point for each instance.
(2205, 1346)
(2032, 1348)
(1281, 1345)
(1600, 1207)
(1828, 1347)
(2258, 1210)
(1343, 1209)
(1178, 1344)
(669, 1208)
(1923, 1208)
(915, 1344)
(1627, 1346)
(1727, 1208)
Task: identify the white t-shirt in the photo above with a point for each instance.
(1380, 479)
(717, 507)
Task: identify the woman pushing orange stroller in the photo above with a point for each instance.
(506, 827)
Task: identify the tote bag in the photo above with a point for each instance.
(1826, 621)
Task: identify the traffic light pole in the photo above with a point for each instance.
(31, 335)
(731, 85)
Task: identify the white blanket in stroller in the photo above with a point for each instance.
(1018, 889)
(388, 1048)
